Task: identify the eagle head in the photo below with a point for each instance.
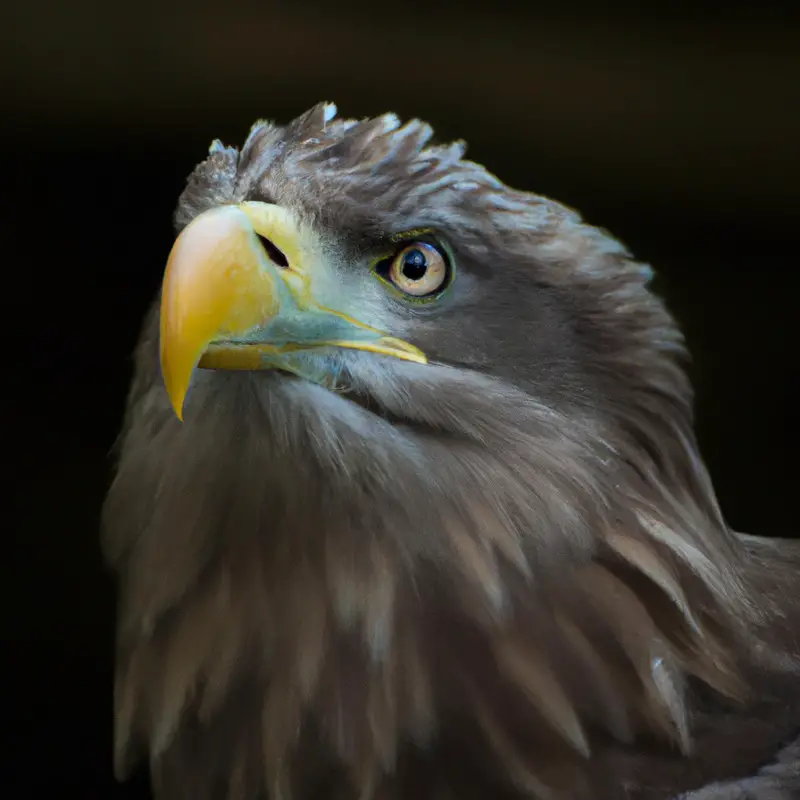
(407, 485)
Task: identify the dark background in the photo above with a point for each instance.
(678, 130)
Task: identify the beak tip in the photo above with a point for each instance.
(175, 393)
(176, 399)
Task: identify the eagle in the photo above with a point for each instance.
(408, 502)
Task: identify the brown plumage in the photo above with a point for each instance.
(501, 573)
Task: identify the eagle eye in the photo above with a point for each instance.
(420, 270)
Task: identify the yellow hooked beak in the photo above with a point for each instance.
(238, 294)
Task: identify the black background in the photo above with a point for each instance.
(677, 130)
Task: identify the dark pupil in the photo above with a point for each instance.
(415, 265)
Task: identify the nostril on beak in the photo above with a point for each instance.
(274, 253)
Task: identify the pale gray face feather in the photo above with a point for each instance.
(490, 525)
